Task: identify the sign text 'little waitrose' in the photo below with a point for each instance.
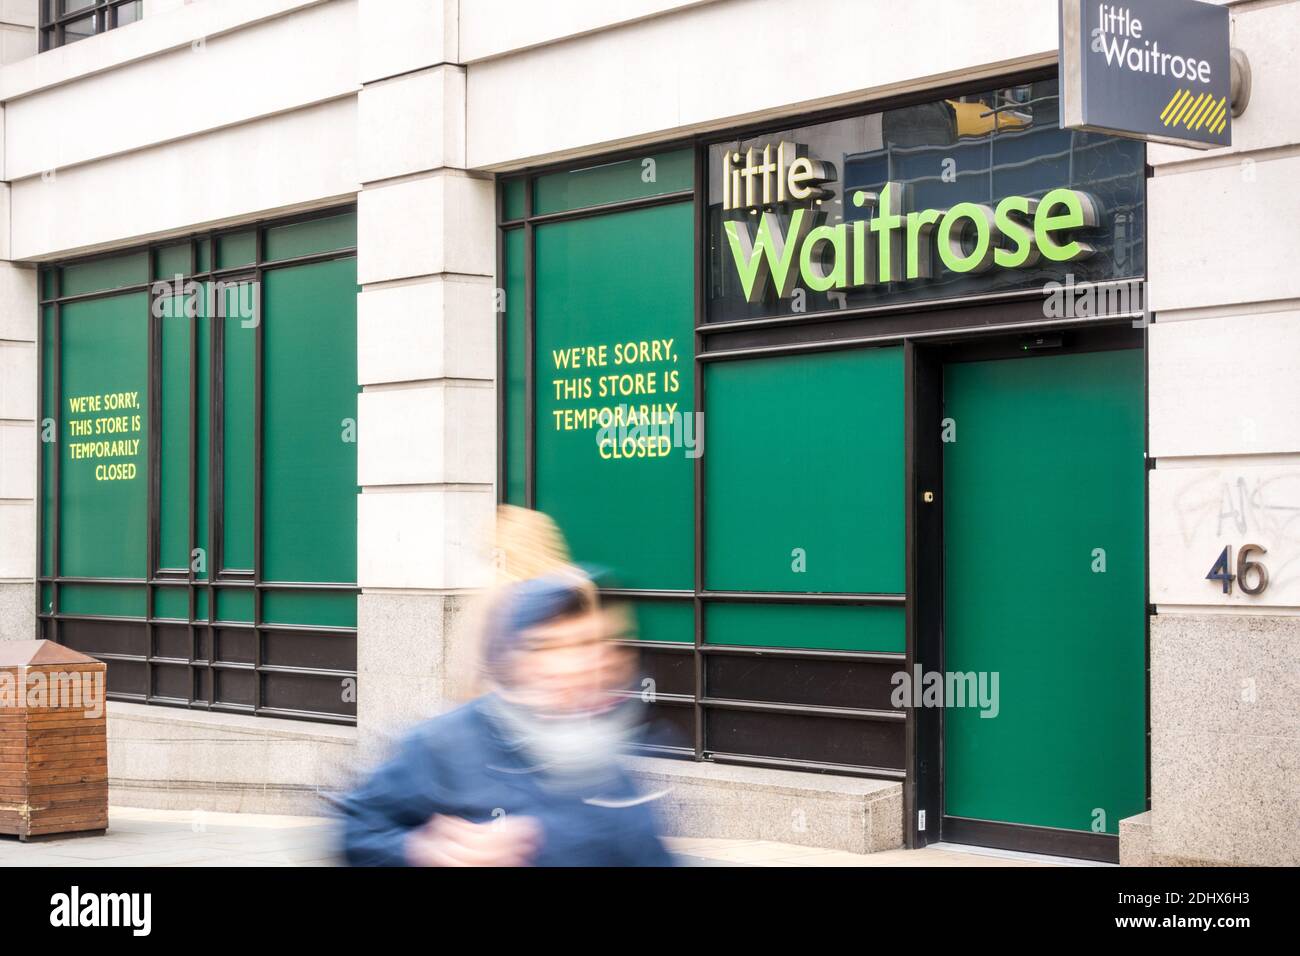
(893, 244)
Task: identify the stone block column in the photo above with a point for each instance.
(18, 411)
(426, 362)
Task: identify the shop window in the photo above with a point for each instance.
(198, 503)
(67, 21)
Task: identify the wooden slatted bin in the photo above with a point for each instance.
(53, 740)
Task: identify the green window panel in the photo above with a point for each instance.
(804, 473)
(103, 436)
(321, 609)
(236, 249)
(1046, 468)
(234, 604)
(651, 175)
(310, 237)
(201, 612)
(665, 621)
(174, 437)
(239, 464)
(107, 600)
(310, 461)
(813, 627)
(203, 255)
(512, 198)
(47, 598)
(172, 603)
(516, 366)
(613, 282)
(97, 275)
(48, 277)
(172, 261)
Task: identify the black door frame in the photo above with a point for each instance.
(925, 363)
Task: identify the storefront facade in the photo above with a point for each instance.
(761, 436)
(887, 403)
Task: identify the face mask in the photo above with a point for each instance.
(577, 750)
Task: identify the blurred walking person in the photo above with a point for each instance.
(527, 774)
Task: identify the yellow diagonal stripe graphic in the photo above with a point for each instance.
(1223, 117)
(1172, 107)
(1164, 114)
(1200, 111)
(1211, 118)
(1186, 111)
(1194, 111)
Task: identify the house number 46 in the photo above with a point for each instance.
(1222, 570)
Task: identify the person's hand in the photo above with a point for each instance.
(452, 841)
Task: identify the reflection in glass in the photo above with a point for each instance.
(971, 149)
(79, 29)
(129, 12)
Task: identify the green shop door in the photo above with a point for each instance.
(1044, 719)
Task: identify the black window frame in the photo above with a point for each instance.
(54, 19)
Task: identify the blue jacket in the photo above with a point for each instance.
(460, 764)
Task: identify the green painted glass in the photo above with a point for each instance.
(832, 628)
(107, 600)
(174, 438)
(203, 255)
(804, 473)
(47, 598)
(234, 604)
(309, 317)
(201, 604)
(172, 603)
(239, 464)
(512, 198)
(1046, 470)
(104, 487)
(666, 621)
(322, 609)
(236, 249)
(516, 367)
(114, 272)
(651, 175)
(310, 237)
(611, 282)
(171, 261)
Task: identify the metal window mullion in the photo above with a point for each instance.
(214, 485)
(530, 350)
(192, 522)
(258, 368)
(153, 327)
(697, 642)
(41, 412)
(501, 304)
(57, 491)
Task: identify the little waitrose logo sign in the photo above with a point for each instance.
(1156, 70)
(891, 242)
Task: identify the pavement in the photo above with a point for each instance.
(139, 837)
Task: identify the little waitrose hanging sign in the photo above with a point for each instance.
(782, 238)
(1155, 70)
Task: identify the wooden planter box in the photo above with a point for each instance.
(53, 740)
